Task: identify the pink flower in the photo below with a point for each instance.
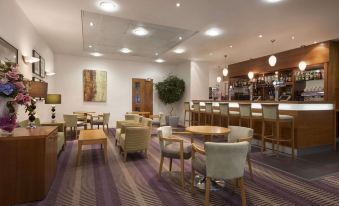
(19, 85)
(13, 75)
(22, 98)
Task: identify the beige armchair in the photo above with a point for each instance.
(132, 118)
(173, 147)
(135, 139)
(216, 166)
(71, 120)
(159, 119)
(241, 134)
(100, 120)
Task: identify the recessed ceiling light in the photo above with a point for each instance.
(213, 32)
(272, 1)
(159, 60)
(140, 31)
(156, 54)
(179, 51)
(260, 36)
(211, 54)
(293, 37)
(125, 50)
(90, 46)
(178, 4)
(315, 42)
(231, 46)
(91, 23)
(108, 5)
(96, 54)
(180, 38)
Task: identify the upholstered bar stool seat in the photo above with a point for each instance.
(234, 113)
(255, 115)
(285, 117)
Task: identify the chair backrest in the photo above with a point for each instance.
(224, 108)
(187, 106)
(147, 122)
(239, 132)
(196, 106)
(270, 111)
(135, 117)
(245, 110)
(81, 116)
(106, 118)
(26, 122)
(225, 160)
(70, 120)
(165, 131)
(208, 107)
(162, 119)
(137, 138)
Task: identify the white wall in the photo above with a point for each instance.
(68, 81)
(16, 29)
(200, 81)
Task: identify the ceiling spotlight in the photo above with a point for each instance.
(178, 4)
(140, 31)
(96, 54)
(90, 46)
(179, 51)
(260, 36)
(315, 42)
(293, 37)
(156, 54)
(108, 5)
(125, 50)
(211, 54)
(273, 1)
(91, 23)
(231, 46)
(213, 32)
(159, 61)
(180, 38)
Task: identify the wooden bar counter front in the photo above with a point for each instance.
(314, 122)
(28, 164)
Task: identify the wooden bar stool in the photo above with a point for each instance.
(270, 113)
(245, 112)
(196, 113)
(208, 113)
(224, 111)
(187, 107)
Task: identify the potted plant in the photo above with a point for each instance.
(170, 91)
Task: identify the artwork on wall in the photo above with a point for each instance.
(36, 65)
(95, 85)
(8, 52)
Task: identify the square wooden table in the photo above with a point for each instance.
(90, 137)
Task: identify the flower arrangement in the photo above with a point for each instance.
(12, 93)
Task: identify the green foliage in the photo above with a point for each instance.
(171, 89)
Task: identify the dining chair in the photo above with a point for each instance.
(71, 120)
(173, 147)
(100, 120)
(214, 165)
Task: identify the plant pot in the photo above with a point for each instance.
(7, 119)
(172, 121)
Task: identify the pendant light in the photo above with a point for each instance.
(219, 77)
(250, 75)
(225, 70)
(302, 64)
(273, 59)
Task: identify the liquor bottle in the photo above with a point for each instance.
(307, 76)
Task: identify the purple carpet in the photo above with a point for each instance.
(135, 183)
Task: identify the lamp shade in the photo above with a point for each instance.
(53, 99)
(37, 89)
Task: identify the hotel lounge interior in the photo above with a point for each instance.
(169, 102)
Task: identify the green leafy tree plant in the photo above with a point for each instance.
(170, 90)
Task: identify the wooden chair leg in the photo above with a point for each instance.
(192, 179)
(278, 137)
(242, 191)
(161, 164)
(207, 190)
(292, 137)
(170, 165)
(182, 172)
(263, 136)
(250, 166)
(125, 156)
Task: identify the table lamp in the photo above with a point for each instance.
(53, 99)
(35, 90)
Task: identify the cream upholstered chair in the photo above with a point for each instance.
(159, 119)
(135, 139)
(71, 120)
(173, 147)
(241, 134)
(128, 118)
(222, 161)
(100, 120)
(270, 113)
(134, 117)
(147, 122)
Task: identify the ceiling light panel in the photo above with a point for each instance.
(111, 34)
(108, 5)
(213, 32)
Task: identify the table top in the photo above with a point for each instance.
(92, 134)
(208, 130)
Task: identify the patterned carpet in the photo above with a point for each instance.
(135, 183)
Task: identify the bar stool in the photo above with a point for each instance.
(245, 112)
(208, 113)
(196, 112)
(270, 113)
(224, 109)
(187, 108)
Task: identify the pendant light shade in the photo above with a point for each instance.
(218, 79)
(272, 60)
(225, 72)
(250, 75)
(302, 65)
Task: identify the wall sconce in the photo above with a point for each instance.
(50, 73)
(30, 60)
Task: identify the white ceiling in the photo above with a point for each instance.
(59, 23)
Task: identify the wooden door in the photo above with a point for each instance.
(142, 95)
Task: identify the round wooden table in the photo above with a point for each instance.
(208, 131)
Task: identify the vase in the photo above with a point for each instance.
(7, 118)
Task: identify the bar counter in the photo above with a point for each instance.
(314, 123)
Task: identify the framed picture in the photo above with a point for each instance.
(95, 85)
(8, 52)
(36, 65)
(42, 67)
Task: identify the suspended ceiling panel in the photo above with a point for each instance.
(108, 34)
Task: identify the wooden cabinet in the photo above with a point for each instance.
(142, 95)
(28, 164)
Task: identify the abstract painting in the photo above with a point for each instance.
(95, 85)
(8, 53)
